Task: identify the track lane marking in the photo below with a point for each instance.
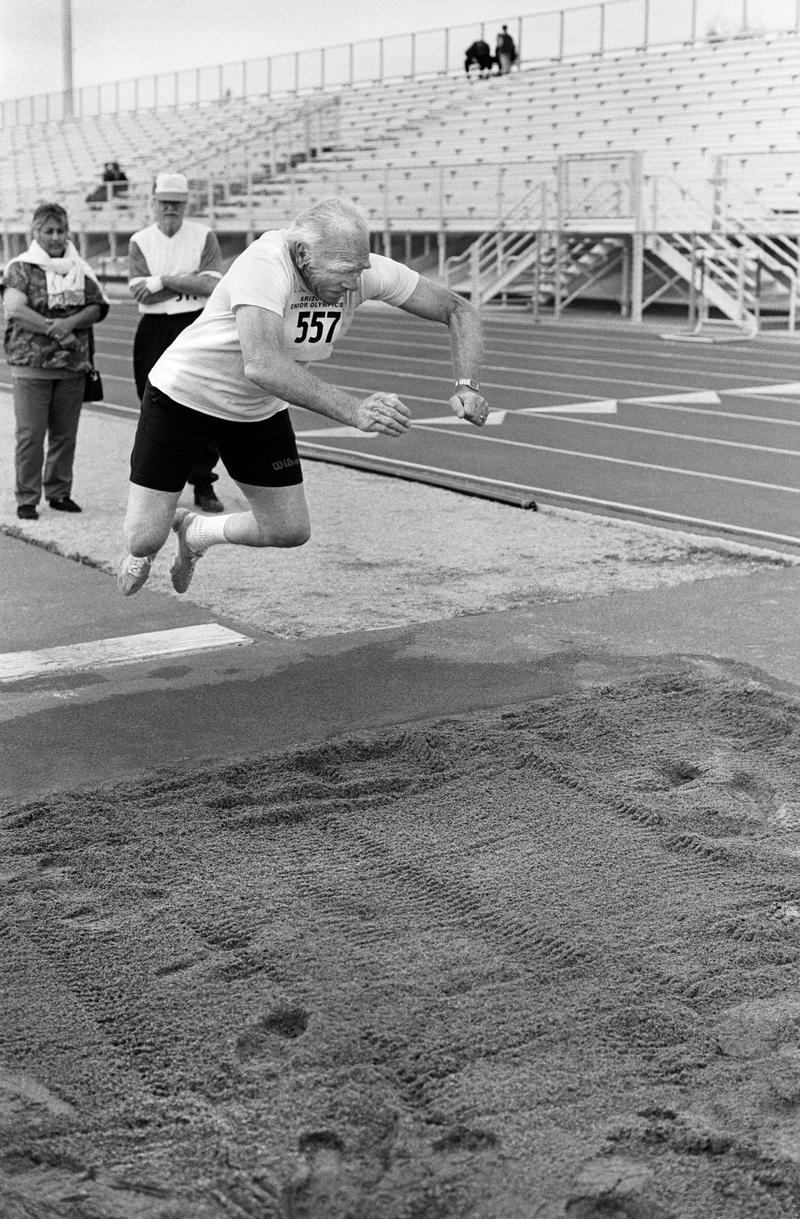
(788, 389)
(665, 405)
(621, 461)
(700, 397)
(640, 388)
(678, 436)
(637, 511)
(436, 423)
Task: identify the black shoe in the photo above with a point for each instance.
(65, 504)
(207, 501)
(27, 512)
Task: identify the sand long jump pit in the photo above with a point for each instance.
(541, 961)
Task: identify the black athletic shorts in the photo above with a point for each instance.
(170, 436)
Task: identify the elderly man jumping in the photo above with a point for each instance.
(229, 378)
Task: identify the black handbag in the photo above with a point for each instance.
(93, 386)
(93, 389)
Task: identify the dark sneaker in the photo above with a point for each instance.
(207, 501)
(65, 504)
(27, 512)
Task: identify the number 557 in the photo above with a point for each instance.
(311, 325)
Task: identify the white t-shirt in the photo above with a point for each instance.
(204, 367)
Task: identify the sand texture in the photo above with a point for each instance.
(540, 962)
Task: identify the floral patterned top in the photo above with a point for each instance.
(27, 350)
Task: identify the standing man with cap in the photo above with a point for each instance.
(173, 266)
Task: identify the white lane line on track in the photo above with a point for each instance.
(596, 406)
(620, 461)
(494, 419)
(666, 405)
(649, 389)
(701, 397)
(661, 404)
(636, 510)
(498, 417)
(790, 389)
(124, 649)
(681, 436)
(603, 406)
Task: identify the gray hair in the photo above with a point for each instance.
(329, 219)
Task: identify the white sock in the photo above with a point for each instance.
(205, 531)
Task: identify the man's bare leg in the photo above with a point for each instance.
(278, 516)
(148, 520)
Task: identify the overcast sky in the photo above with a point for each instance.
(118, 39)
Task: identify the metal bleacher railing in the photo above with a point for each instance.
(592, 29)
(658, 148)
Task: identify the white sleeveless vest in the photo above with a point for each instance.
(178, 255)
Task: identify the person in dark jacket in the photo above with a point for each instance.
(479, 54)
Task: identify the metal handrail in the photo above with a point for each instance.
(601, 28)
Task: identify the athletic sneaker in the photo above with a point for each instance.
(184, 562)
(133, 572)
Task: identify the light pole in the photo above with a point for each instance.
(66, 55)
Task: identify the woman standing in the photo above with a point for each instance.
(51, 299)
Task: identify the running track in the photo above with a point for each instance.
(601, 417)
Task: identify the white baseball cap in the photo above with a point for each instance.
(172, 187)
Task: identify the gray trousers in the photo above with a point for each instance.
(46, 410)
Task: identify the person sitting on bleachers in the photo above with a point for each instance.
(118, 178)
(479, 54)
(118, 184)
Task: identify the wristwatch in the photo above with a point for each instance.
(469, 384)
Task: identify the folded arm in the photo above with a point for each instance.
(150, 289)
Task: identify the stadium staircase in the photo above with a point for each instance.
(524, 260)
(528, 265)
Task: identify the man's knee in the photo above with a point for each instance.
(279, 516)
(144, 537)
(148, 519)
(145, 532)
(286, 536)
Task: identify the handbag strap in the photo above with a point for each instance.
(90, 336)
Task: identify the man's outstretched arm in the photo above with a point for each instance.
(437, 304)
(267, 364)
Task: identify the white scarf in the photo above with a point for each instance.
(66, 276)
